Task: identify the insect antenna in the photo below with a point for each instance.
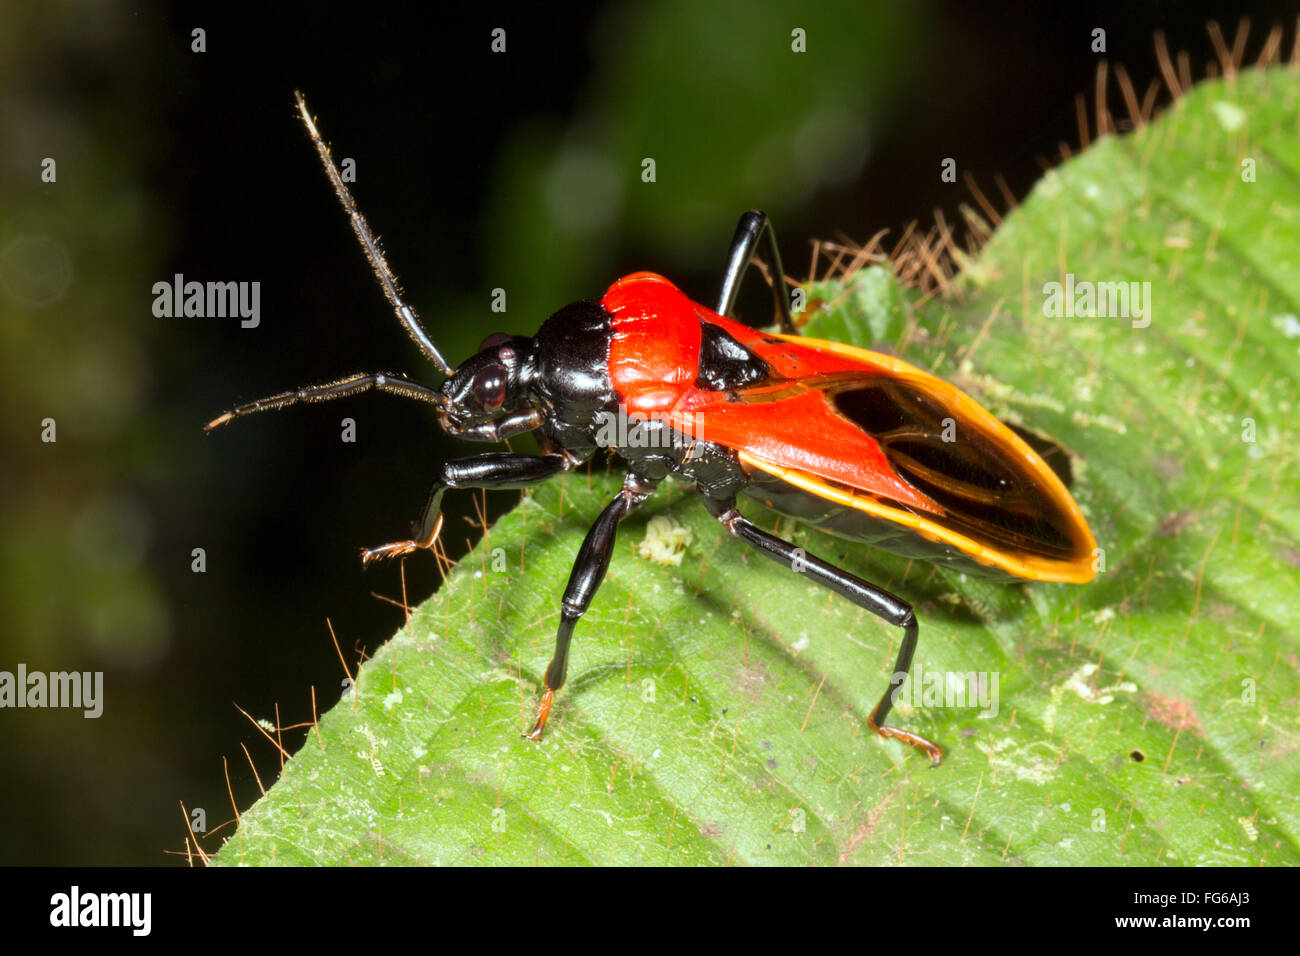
(352, 385)
(363, 382)
(405, 314)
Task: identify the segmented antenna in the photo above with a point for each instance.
(344, 387)
(405, 314)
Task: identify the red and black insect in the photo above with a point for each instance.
(857, 443)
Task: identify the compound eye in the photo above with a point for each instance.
(489, 387)
(493, 340)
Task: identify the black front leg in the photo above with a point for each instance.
(753, 228)
(588, 571)
(503, 428)
(862, 593)
(489, 470)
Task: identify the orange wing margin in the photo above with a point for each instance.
(792, 430)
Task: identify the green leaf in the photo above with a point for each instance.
(716, 709)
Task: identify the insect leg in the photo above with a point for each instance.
(588, 571)
(862, 593)
(352, 385)
(489, 470)
(503, 428)
(753, 228)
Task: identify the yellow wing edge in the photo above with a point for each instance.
(1077, 570)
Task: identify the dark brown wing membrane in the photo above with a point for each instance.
(1053, 455)
(987, 487)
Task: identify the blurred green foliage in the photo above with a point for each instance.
(79, 240)
(732, 117)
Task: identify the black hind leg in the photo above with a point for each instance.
(754, 235)
(862, 593)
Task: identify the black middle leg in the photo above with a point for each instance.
(754, 228)
(865, 595)
(588, 571)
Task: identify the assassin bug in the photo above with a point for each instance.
(857, 443)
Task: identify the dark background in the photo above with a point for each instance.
(519, 171)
